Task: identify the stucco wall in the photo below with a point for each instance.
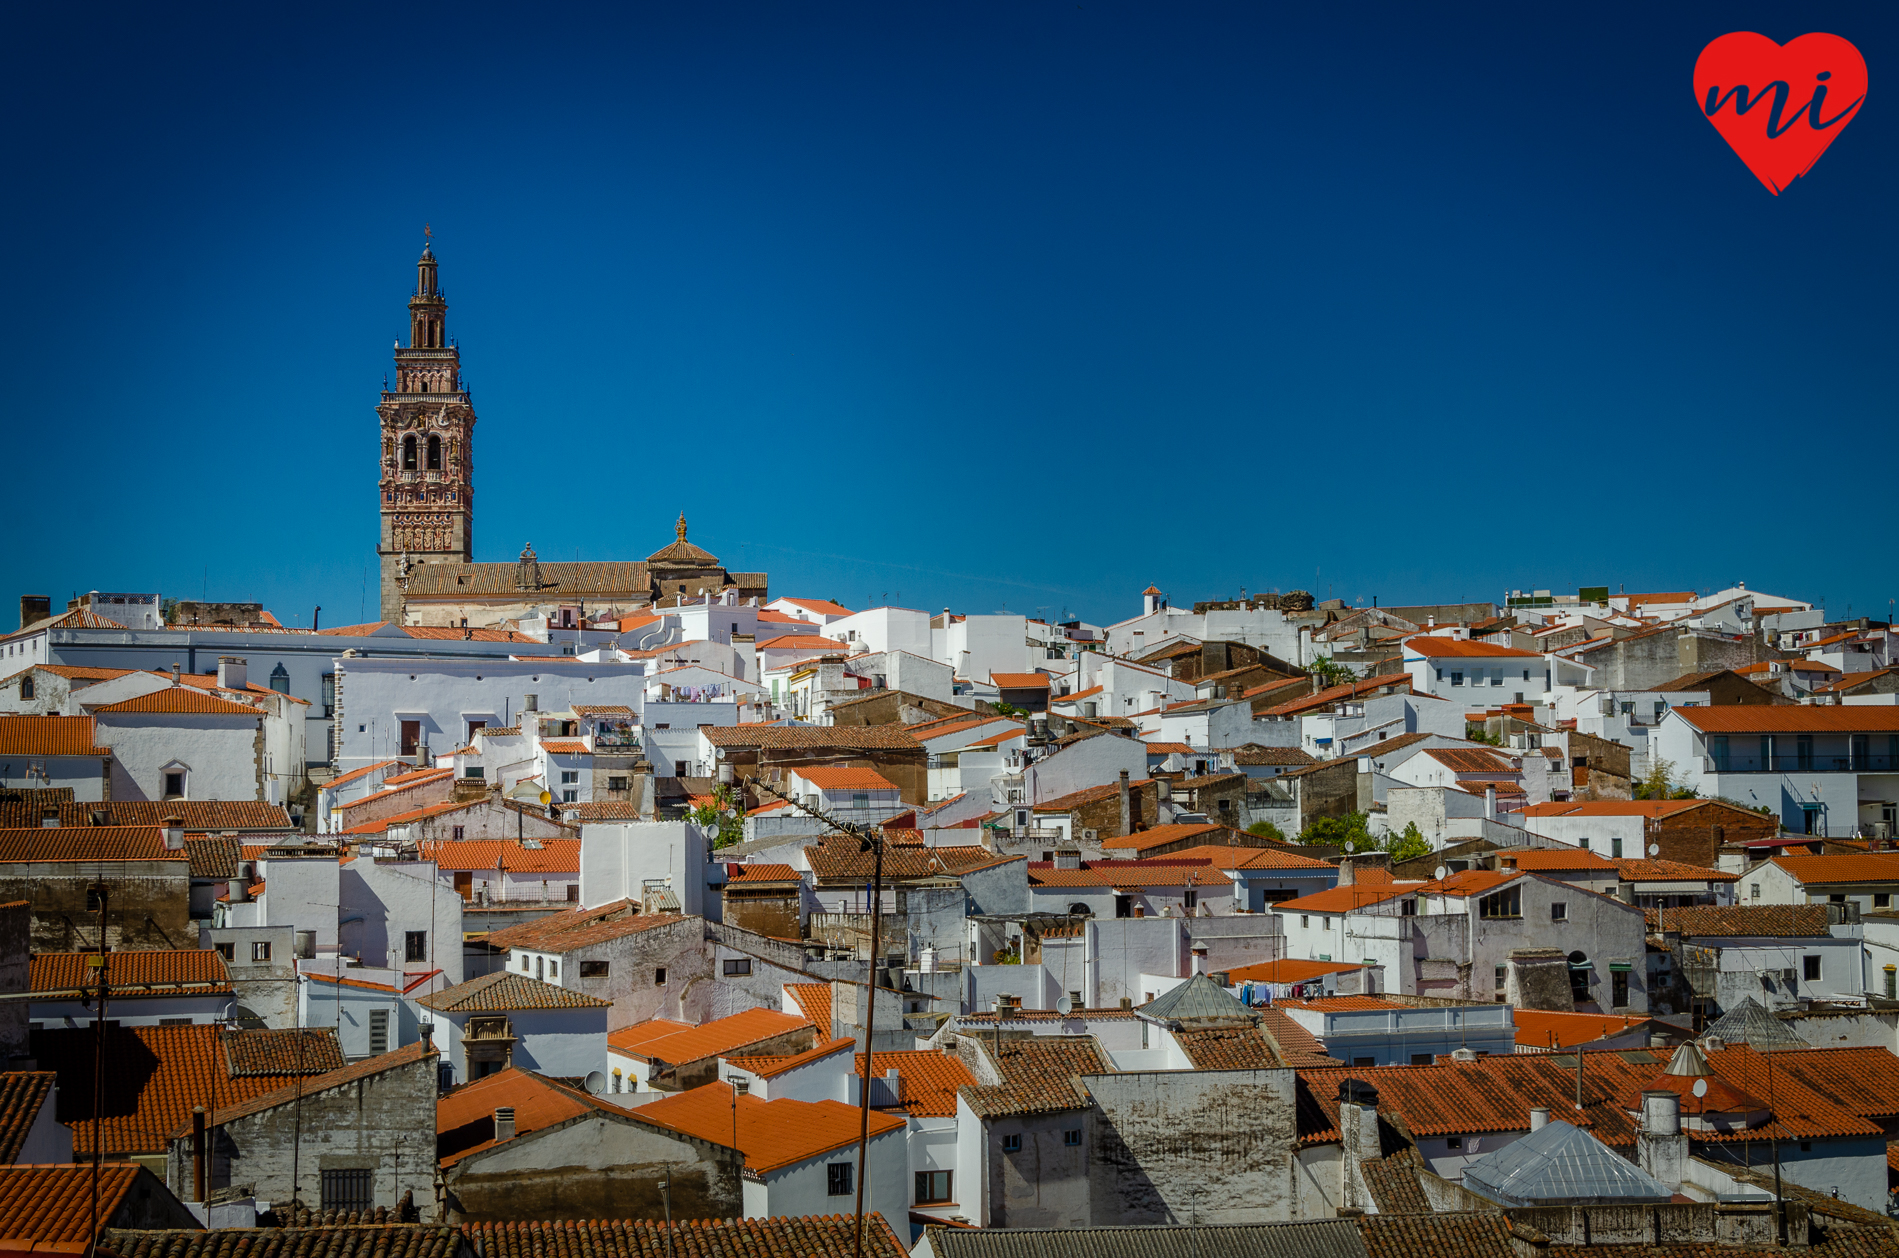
(1204, 1146)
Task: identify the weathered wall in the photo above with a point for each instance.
(597, 1166)
(149, 903)
(1203, 1146)
(16, 928)
(384, 1123)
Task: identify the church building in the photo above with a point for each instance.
(427, 542)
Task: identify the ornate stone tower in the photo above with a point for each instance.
(428, 429)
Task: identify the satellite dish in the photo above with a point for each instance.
(547, 797)
(1701, 1087)
(1063, 1005)
(1654, 849)
(1442, 873)
(596, 1083)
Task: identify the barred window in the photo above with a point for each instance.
(348, 1190)
(837, 1179)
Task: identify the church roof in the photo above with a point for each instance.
(558, 580)
(682, 553)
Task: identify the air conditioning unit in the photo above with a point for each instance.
(1088, 836)
(1787, 976)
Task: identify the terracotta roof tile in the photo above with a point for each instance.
(1161, 836)
(1087, 795)
(554, 856)
(1792, 719)
(1020, 681)
(373, 1240)
(1363, 688)
(814, 1001)
(309, 1051)
(181, 699)
(772, 1067)
(346, 778)
(87, 843)
(1731, 921)
(49, 736)
(843, 778)
(579, 928)
(1537, 861)
(1253, 754)
(505, 990)
(22, 1093)
(764, 873)
(675, 1046)
(52, 1204)
(1811, 870)
(1288, 971)
(1643, 869)
(844, 738)
(771, 1134)
(1038, 1076)
(804, 1236)
(1299, 1047)
(465, 1118)
(928, 1079)
(1345, 899)
(195, 970)
(1432, 648)
(1229, 1048)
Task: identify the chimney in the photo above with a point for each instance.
(49, 817)
(176, 669)
(1358, 1121)
(233, 672)
(1140, 910)
(1348, 872)
(1465, 1053)
(1222, 978)
(1539, 1117)
(174, 833)
(1068, 858)
(197, 1153)
(504, 1123)
(1661, 1147)
(34, 608)
(1490, 803)
(530, 703)
(1127, 818)
(1200, 959)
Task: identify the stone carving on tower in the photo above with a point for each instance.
(428, 428)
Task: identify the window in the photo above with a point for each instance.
(1559, 912)
(459, 833)
(1417, 1059)
(1615, 849)
(1440, 674)
(260, 951)
(570, 796)
(435, 453)
(1753, 890)
(1327, 923)
(1012, 1143)
(933, 1187)
(174, 1022)
(1305, 922)
(553, 971)
(616, 784)
(594, 969)
(1453, 1142)
(860, 799)
(408, 453)
(1457, 679)
(1618, 988)
(1071, 1138)
(737, 965)
(1810, 969)
(349, 1190)
(682, 768)
(1892, 982)
(411, 737)
(1579, 970)
(1882, 899)
(1496, 677)
(415, 945)
(1505, 903)
(569, 776)
(26, 687)
(1191, 898)
(659, 977)
(174, 785)
(837, 1179)
(1369, 1061)
(540, 969)
(329, 694)
(378, 1032)
(228, 951)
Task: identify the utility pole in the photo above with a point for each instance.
(102, 893)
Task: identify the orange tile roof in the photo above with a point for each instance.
(710, 1039)
(839, 738)
(1160, 836)
(1872, 867)
(181, 699)
(183, 971)
(22, 1093)
(1231, 856)
(1288, 971)
(772, 1067)
(1469, 760)
(50, 1206)
(1156, 873)
(997, 738)
(771, 1134)
(382, 824)
(565, 747)
(1792, 718)
(579, 928)
(1537, 861)
(1037, 1076)
(814, 1001)
(1345, 899)
(402, 781)
(1364, 687)
(1537, 1028)
(632, 1037)
(1087, 795)
(804, 1236)
(1169, 749)
(505, 991)
(555, 856)
(87, 843)
(1615, 808)
(928, 1079)
(1644, 869)
(801, 642)
(823, 607)
(1020, 681)
(1462, 648)
(764, 873)
(842, 778)
(465, 1117)
(49, 736)
(353, 774)
(1079, 694)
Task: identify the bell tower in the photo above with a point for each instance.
(428, 428)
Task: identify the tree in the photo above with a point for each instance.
(721, 817)
(1330, 672)
(1654, 783)
(1007, 709)
(1267, 830)
(1338, 831)
(1476, 734)
(1409, 844)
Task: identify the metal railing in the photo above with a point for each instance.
(1795, 762)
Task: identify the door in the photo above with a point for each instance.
(465, 885)
(411, 737)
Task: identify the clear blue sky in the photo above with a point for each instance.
(1022, 305)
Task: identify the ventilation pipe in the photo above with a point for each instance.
(1539, 1117)
(504, 1123)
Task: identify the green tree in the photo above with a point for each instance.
(1330, 672)
(1338, 831)
(1408, 844)
(1267, 830)
(1655, 783)
(1007, 709)
(722, 817)
(1476, 734)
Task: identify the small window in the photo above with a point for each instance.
(1882, 899)
(860, 800)
(837, 1179)
(1453, 1142)
(1457, 679)
(1619, 988)
(1559, 912)
(260, 951)
(1615, 849)
(378, 1032)
(553, 971)
(174, 785)
(174, 1022)
(26, 687)
(1810, 969)
(1505, 903)
(1422, 1059)
(92, 899)
(459, 833)
(415, 945)
(616, 784)
(1305, 921)
(738, 966)
(1753, 890)
(1326, 923)
(570, 796)
(659, 977)
(569, 776)
(349, 1190)
(1072, 1137)
(228, 951)
(933, 1187)
(1012, 1143)
(594, 969)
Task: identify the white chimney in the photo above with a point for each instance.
(1539, 1117)
(233, 673)
(174, 834)
(1490, 803)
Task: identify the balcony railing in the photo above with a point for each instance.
(1794, 762)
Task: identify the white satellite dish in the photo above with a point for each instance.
(1654, 849)
(1442, 873)
(1701, 1087)
(1063, 1005)
(596, 1083)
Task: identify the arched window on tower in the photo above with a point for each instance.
(408, 453)
(435, 453)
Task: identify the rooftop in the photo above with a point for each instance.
(675, 1044)
(929, 1079)
(154, 973)
(49, 736)
(1771, 921)
(505, 990)
(805, 1236)
(772, 1134)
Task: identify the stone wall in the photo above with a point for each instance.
(148, 904)
(1202, 1146)
(16, 928)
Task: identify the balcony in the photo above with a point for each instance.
(1794, 762)
(489, 1031)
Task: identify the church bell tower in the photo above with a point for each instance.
(428, 428)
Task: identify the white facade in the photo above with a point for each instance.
(212, 756)
(626, 860)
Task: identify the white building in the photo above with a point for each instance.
(1826, 770)
(1475, 672)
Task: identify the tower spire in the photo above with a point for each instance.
(428, 309)
(680, 528)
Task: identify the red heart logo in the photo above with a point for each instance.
(1779, 106)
